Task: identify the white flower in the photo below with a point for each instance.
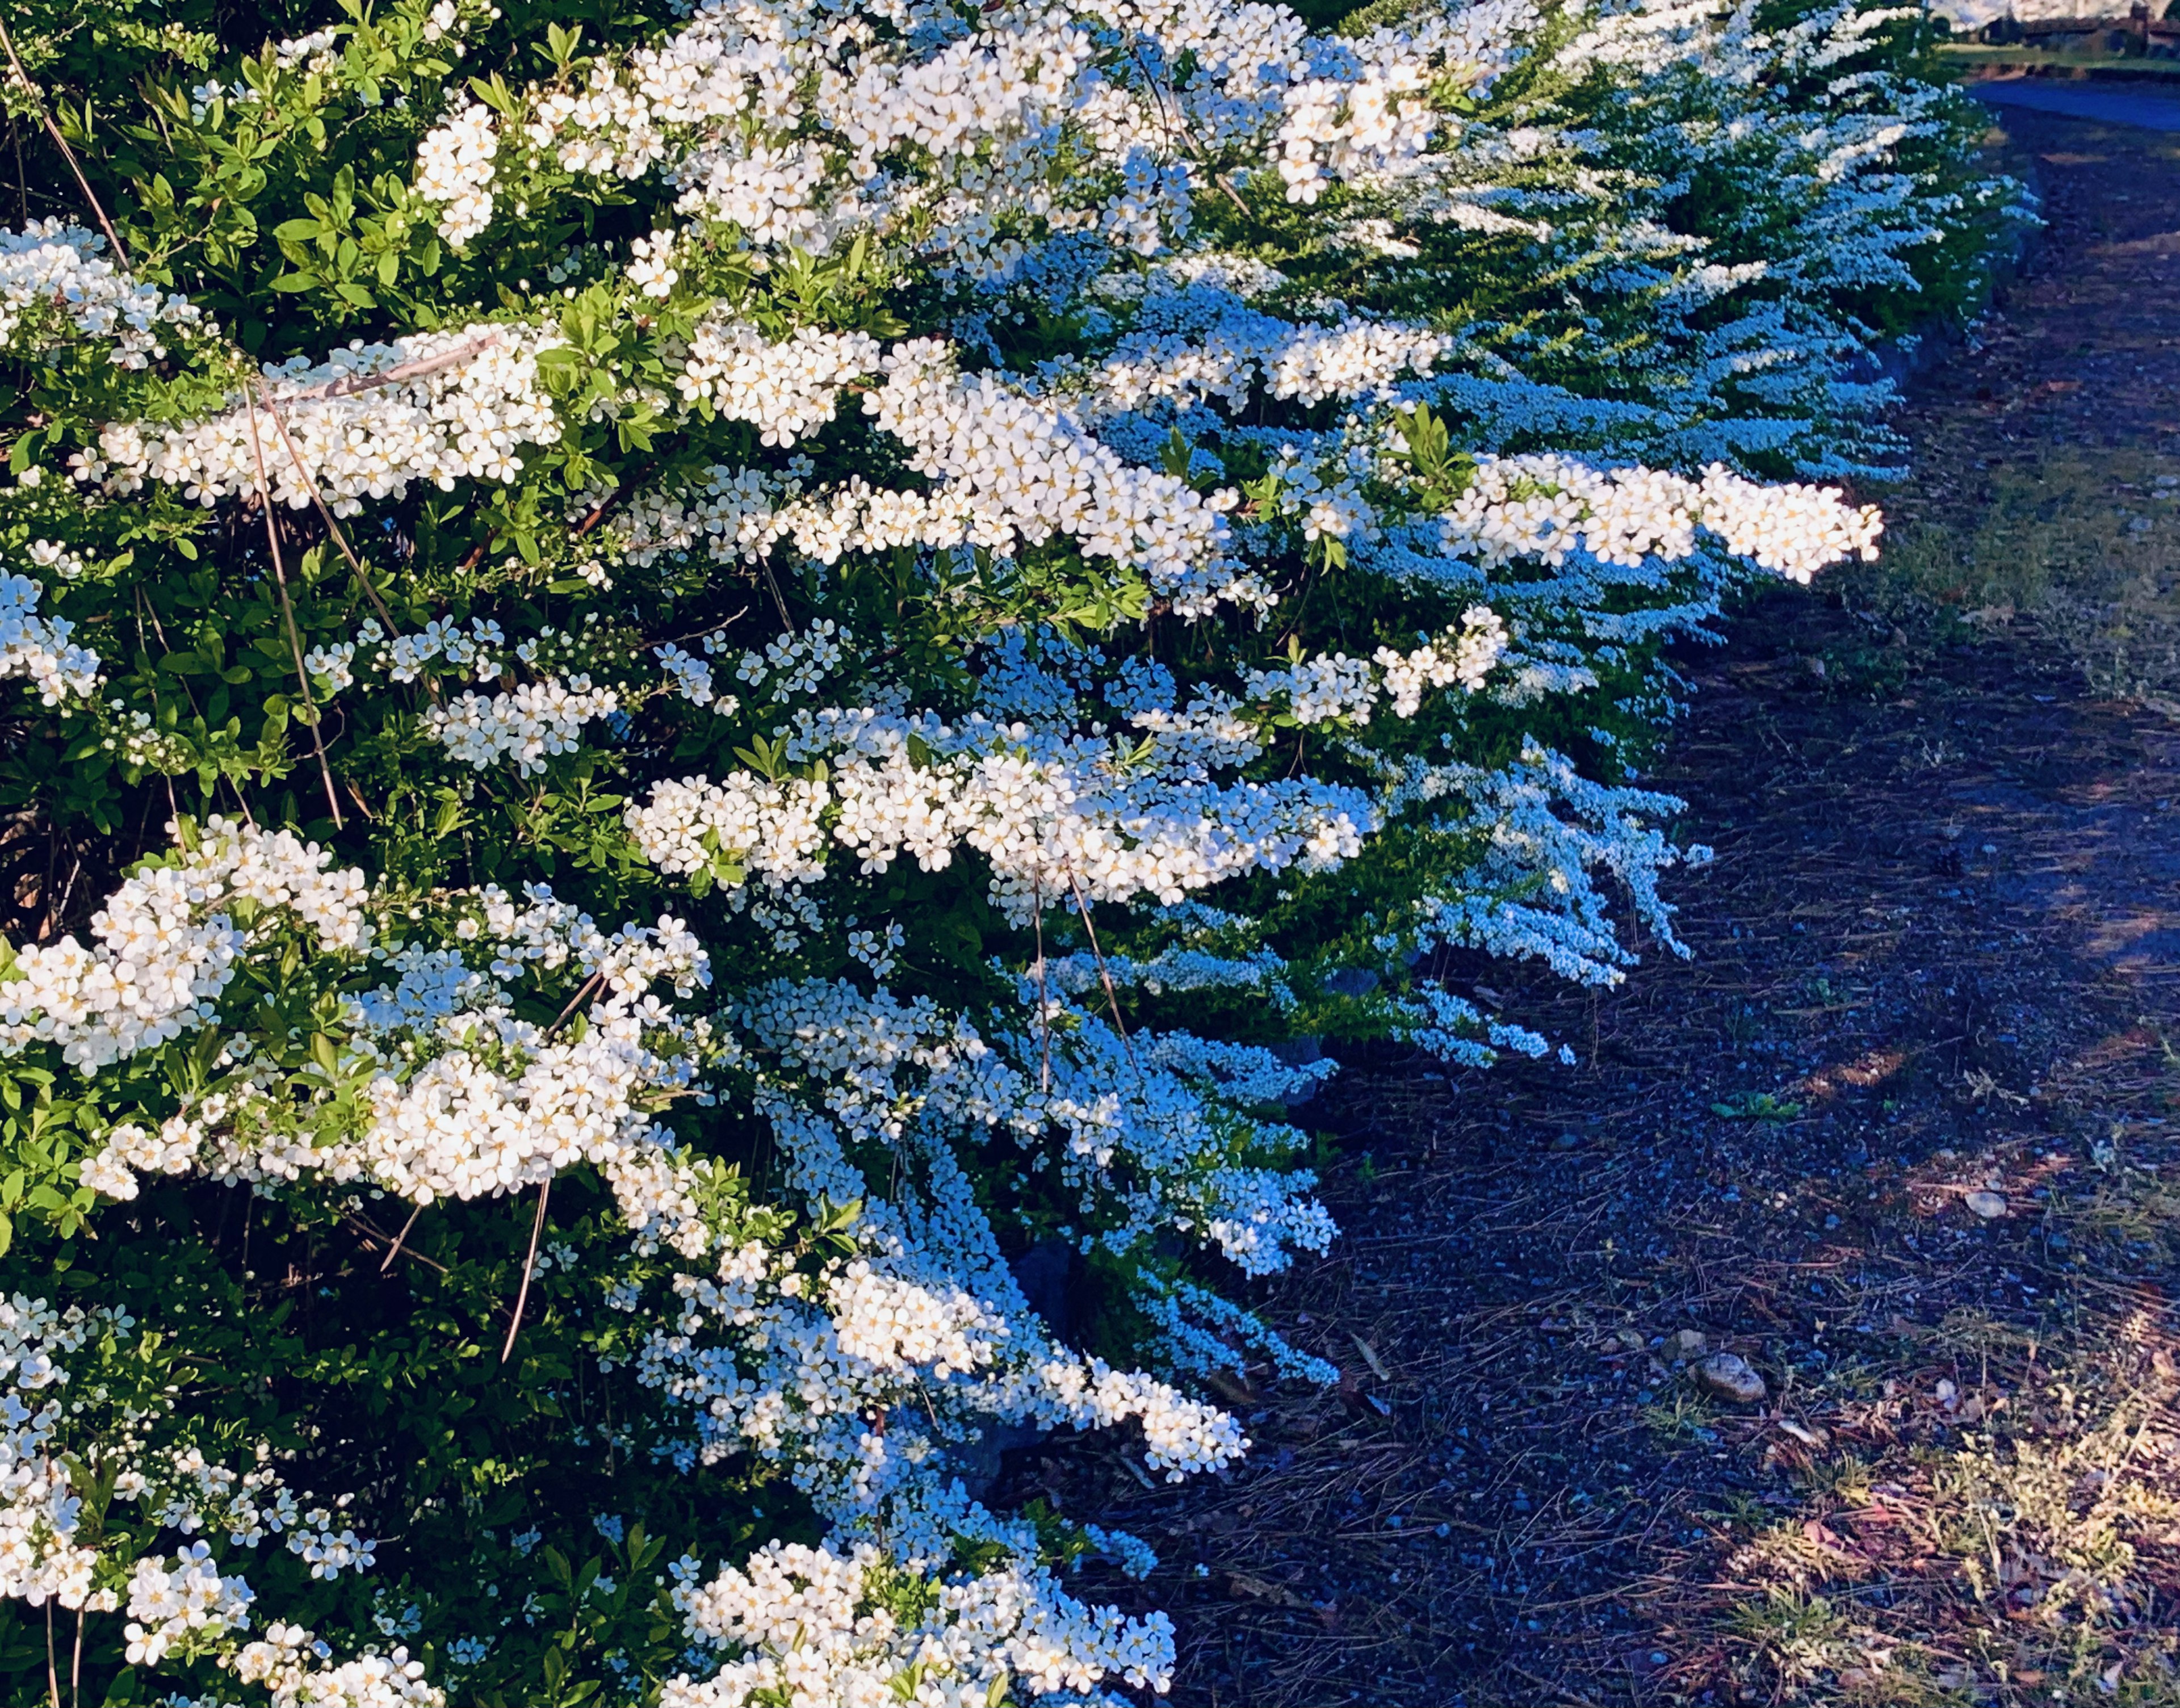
(455, 168)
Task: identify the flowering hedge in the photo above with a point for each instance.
(698, 695)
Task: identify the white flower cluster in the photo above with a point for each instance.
(454, 166)
(1463, 658)
(370, 1681)
(690, 677)
(1053, 818)
(370, 421)
(287, 1661)
(785, 389)
(812, 1625)
(528, 725)
(39, 647)
(794, 132)
(927, 1325)
(167, 942)
(56, 284)
(181, 1604)
(1243, 348)
(188, 1604)
(1374, 117)
(480, 651)
(456, 1096)
(1317, 690)
(1547, 830)
(1030, 472)
(41, 1559)
(1546, 507)
(724, 103)
(182, 1491)
(795, 663)
(313, 51)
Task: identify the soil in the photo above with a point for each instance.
(1901, 1135)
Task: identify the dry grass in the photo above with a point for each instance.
(2030, 1559)
(2080, 550)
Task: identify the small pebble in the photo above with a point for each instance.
(1730, 1376)
(1987, 1204)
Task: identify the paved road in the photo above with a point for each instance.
(2105, 104)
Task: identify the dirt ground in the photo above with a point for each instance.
(1904, 1135)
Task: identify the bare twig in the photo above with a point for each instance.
(1105, 974)
(786, 622)
(311, 486)
(421, 368)
(529, 1266)
(288, 611)
(106, 225)
(1044, 997)
(583, 990)
(373, 1234)
(393, 1250)
(340, 539)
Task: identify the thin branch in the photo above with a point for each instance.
(1043, 997)
(529, 1265)
(574, 1001)
(68, 888)
(709, 628)
(1105, 974)
(22, 172)
(786, 622)
(340, 539)
(287, 611)
(234, 788)
(31, 89)
(369, 1232)
(421, 368)
(311, 486)
(52, 1666)
(623, 485)
(393, 1250)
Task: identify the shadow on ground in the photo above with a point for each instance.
(1900, 1137)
